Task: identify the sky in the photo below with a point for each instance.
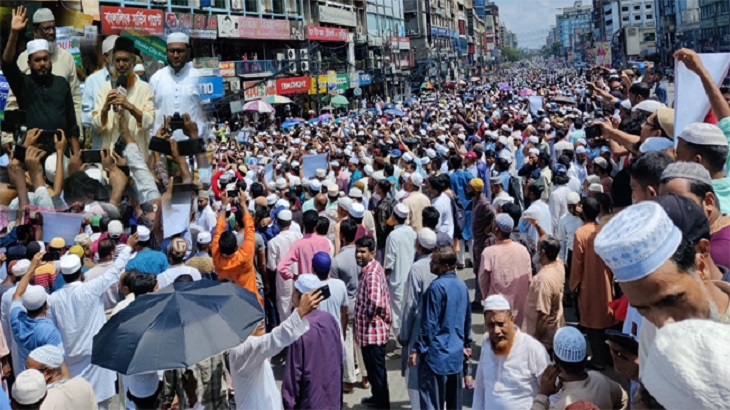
(531, 19)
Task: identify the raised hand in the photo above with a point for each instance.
(18, 22)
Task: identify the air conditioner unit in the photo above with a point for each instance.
(291, 54)
(293, 68)
(305, 66)
(280, 56)
(304, 54)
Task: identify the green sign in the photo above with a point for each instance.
(343, 82)
(152, 46)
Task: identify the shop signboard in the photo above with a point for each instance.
(343, 81)
(322, 84)
(365, 79)
(227, 69)
(146, 21)
(338, 16)
(210, 87)
(292, 85)
(254, 90)
(194, 25)
(326, 34)
(253, 28)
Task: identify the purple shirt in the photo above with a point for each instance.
(719, 245)
(313, 370)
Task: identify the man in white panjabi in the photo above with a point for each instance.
(511, 361)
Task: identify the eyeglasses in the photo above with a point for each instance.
(176, 50)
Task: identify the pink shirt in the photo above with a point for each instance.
(506, 269)
(301, 252)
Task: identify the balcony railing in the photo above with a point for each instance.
(255, 68)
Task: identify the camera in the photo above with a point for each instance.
(176, 122)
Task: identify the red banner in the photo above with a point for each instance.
(292, 85)
(326, 33)
(116, 19)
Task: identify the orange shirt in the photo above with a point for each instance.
(239, 266)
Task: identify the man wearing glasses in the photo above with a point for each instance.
(62, 63)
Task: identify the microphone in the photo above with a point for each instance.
(121, 88)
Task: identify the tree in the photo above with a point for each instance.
(512, 54)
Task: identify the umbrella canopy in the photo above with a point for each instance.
(395, 113)
(291, 123)
(277, 99)
(258, 106)
(339, 100)
(176, 327)
(389, 106)
(327, 108)
(324, 117)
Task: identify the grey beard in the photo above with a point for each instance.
(51, 47)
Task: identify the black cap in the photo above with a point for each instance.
(686, 215)
(124, 44)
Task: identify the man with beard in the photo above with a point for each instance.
(46, 98)
(509, 371)
(92, 85)
(174, 87)
(137, 98)
(204, 216)
(61, 63)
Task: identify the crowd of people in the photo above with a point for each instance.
(596, 233)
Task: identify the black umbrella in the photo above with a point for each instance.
(178, 326)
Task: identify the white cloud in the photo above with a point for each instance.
(531, 19)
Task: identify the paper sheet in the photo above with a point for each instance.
(64, 225)
(310, 164)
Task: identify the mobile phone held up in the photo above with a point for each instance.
(176, 122)
(325, 291)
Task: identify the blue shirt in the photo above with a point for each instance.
(148, 261)
(31, 333)
(446, 325)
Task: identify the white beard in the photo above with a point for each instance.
(51, 47)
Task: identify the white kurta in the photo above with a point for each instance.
(178, 92)
(512, 381)
(442, 203)
(78, 311)
(253, 379)
(206, 219)
(400, 250)
(277, 248)
(5, 302)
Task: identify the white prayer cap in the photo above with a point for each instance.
(29, 387)
(49, 166)
(368, 170)
(357, 210)
(626, 104)
(307, 282)
(425, 160)
(648, 106)
(637, 241)
(502, 140)
(321, 173)
(407, 157)
(115, 229)
(271, 199)
(345, 203)
(49, 355)
(143, 233)
(533, 151)
(284, 215)
(496, 302)
(178, 38)
(143, 385)
(504, 222)
(204, 238)
(296, 181)
(138, 67)
(282, 202)
(271, 185)
(417, 179)
(595, 188)
(295, 164)
(569, 345)
(355, 193)
(687, 170)
(593, 179)
(20, 267)
(703, 134)
(401, 210)
(43, 15)
(281, 183)
(581, 149)
(108, 44)
(427, 238)
(533, 139)
(431, 153)
(315, 185)
(70, 264)
(573, 198)
(36, 45)
(353, 160)
(687, 366)
(34, 297)
(505, 155)
(378, 176)
(92, 172)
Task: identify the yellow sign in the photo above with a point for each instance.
(76, 19)
(322, 84)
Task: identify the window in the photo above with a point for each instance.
(625, 19)
(637, 7)
(637, 17)
(625, 8)
(650, 17)
(647, 6)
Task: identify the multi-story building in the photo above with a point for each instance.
(638, 22)
(574, 29)
(714, 25)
